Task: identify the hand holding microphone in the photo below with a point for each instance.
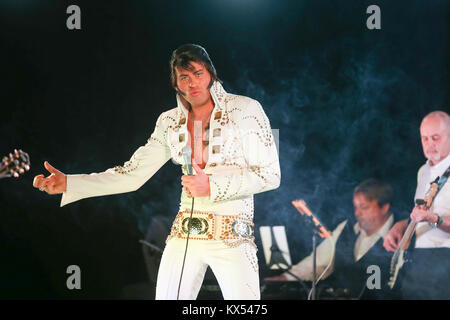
(195, 185)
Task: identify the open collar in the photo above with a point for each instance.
(440, 167)
(381, 232)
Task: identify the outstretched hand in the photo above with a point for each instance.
(55, 183)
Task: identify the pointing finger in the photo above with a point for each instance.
(50, 168)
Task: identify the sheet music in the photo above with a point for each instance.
(279, 234)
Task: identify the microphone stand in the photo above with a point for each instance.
(318, 228)
(313, 289)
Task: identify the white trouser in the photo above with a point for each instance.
(236, 269)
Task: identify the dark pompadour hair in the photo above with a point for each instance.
(184, 55)
(374, 189)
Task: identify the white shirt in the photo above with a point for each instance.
(426, 236)
(365, 242)
(304, 269)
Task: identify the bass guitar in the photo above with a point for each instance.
(398, 259)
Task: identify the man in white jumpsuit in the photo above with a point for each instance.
(234, 156)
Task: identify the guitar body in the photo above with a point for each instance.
(399, 257)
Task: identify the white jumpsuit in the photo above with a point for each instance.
(242, 161)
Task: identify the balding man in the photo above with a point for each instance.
(426, 277)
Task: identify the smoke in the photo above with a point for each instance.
(337, 127)
(347, 101)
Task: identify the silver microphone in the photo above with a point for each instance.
(187, 155)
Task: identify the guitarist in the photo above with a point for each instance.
(426, 277)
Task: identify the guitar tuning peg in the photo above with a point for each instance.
(14, 173)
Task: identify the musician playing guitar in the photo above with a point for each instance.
(426, 277)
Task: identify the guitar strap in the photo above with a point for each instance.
(440, 181)
(443, 179)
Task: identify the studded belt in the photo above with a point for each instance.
(209, 226)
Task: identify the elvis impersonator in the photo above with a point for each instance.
(229, 141)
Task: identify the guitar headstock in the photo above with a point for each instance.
(303, 209)
(14, 164)
(300, 205)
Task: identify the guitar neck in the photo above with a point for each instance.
(404, 243)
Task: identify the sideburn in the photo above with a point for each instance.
(183, 100)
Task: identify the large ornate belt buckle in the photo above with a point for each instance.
(196, 226)
(242, 228)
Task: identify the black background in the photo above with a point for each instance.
(347, 101)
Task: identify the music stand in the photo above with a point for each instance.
(275, 247)
(276, 250)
